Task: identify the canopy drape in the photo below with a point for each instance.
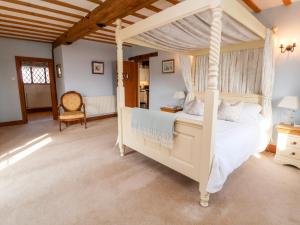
(186, 70)
(193, 32)
(240, 72)
(268, 73)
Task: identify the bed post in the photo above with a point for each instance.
(211, 104)
(120, 88)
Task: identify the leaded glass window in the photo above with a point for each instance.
(35, 74)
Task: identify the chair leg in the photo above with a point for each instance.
(85, 122)
(81, 121)
(59, 125)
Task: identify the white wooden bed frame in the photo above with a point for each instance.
(193, 149)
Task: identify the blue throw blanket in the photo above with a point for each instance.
(155, 125)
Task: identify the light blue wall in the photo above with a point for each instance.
(77, 68)
(287, 75)
(164, 85)
(10, 109)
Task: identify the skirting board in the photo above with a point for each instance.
(101, 117)
(19, 122)
(89, 119)
(12, 123)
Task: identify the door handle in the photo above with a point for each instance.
(125, 76)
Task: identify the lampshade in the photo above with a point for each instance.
(289, 102)
(179, 95)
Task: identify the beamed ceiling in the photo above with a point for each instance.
(257, 6)
(66, 21)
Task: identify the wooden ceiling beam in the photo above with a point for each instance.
(252, 6)
(106, 42)
(139, 15)
(174, 2)
(27, 36)
(144, 57)
(103, 35)
(53, 30)
(24, 38)
(29, 29)
(153, 8)
(34, 6)
(95, 34)
(101, 38)
(67, 5)
(106, 14)
(95, 1)
(127, 21)
(27, 33)
(287, 2)
(35, 21)
(106, 30)
(36, 14)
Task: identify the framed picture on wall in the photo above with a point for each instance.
(97, 67)
(58, 71)
(168, 66)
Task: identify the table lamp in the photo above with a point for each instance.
(291, 103)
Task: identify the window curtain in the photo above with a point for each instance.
(186, 70)
(240, 72)
(268, 74)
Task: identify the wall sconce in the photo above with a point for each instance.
(289, 48)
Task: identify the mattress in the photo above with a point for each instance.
(235, 143)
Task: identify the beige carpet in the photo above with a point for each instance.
(77, 177)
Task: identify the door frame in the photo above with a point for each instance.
(139, 59)
(50, 62)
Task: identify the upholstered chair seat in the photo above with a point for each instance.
(71, 115)
(73, 108)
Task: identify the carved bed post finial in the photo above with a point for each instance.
(120, 88)
(211, 104)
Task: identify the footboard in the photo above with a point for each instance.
(185, 155)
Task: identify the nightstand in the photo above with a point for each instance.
(288, 145)
(171, 109)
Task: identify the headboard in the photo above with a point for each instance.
(249, 98)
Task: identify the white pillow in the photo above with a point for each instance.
(252, 108)
(230, 111)
(250, 112)
(194, 107)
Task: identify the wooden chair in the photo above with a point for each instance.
(73, 108)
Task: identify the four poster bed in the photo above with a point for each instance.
(194, 28)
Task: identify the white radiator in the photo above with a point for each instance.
(100, 105)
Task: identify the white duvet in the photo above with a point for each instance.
(235, 143)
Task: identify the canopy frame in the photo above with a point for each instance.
(174, 13)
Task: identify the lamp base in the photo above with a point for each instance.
(291, 117)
